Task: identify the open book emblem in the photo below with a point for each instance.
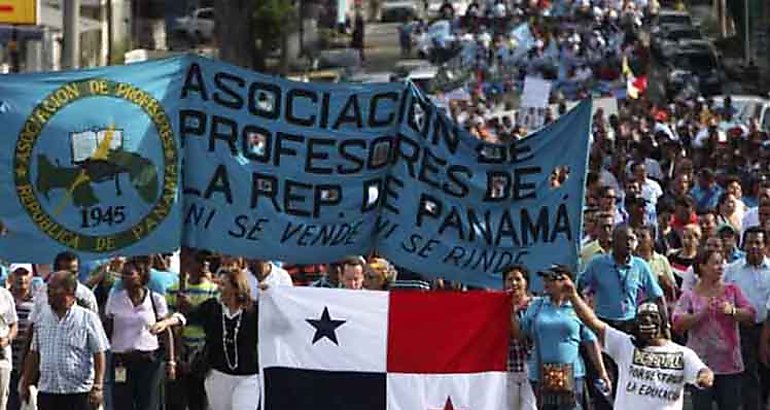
(97, 156)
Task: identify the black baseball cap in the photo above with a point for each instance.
(556, 270)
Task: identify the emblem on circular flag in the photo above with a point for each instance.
(95, 165)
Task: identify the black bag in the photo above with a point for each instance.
(198, 360)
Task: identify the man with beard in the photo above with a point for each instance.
(652, 369)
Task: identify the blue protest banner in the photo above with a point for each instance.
(95, 161)
(90, 162)
(462, 209)
(283, 170)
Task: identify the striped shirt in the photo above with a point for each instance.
(519, 350)
(18, 346)
(192, 336)
(305, 275)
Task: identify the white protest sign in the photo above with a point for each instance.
(536, 92)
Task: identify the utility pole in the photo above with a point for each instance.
(13, 49)
(746, 33)
(71, 49)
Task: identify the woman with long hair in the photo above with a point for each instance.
(230, 324)
(556, 370)
(137, 362)
(710, 314)
(520, 394)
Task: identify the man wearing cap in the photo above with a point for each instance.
(652, 370)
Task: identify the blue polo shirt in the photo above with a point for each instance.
(617, 288)
(556, 332)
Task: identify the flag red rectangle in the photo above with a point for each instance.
(448, 332)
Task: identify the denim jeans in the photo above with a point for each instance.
(579, 390)
(726, 392)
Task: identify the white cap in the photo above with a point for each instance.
(26, 266)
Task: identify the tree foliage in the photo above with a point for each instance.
(272, 20)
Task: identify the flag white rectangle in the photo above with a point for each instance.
(323, 329)
(475, 391)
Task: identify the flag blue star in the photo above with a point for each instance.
(325, 327)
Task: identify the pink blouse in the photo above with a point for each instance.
(715, 338)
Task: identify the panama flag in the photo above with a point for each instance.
(635, 85)
(341, 349)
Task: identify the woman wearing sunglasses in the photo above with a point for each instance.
(556, 370)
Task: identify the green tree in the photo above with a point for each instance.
(235, 31)
(274, 20)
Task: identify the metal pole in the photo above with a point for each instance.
(13, 48)
(747, 32)
(71, 49)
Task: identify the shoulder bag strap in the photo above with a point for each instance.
(152, 302)
(535, 332)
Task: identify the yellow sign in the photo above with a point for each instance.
(20, 12)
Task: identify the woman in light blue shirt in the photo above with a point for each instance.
(556, 332)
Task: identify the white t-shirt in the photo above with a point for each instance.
(276, 277)
(652, 377)
(8, 315)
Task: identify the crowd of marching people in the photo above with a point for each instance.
(673, 289)
(669, 301)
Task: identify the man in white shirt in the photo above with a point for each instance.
(8, 328)
(651, 190)
(652, 370)
(266, 273)
(752, 275)
(761, 213)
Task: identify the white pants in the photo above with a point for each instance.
(520, 393)
(5, 384)
(228, 392)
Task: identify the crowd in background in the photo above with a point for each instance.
(675, 252)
